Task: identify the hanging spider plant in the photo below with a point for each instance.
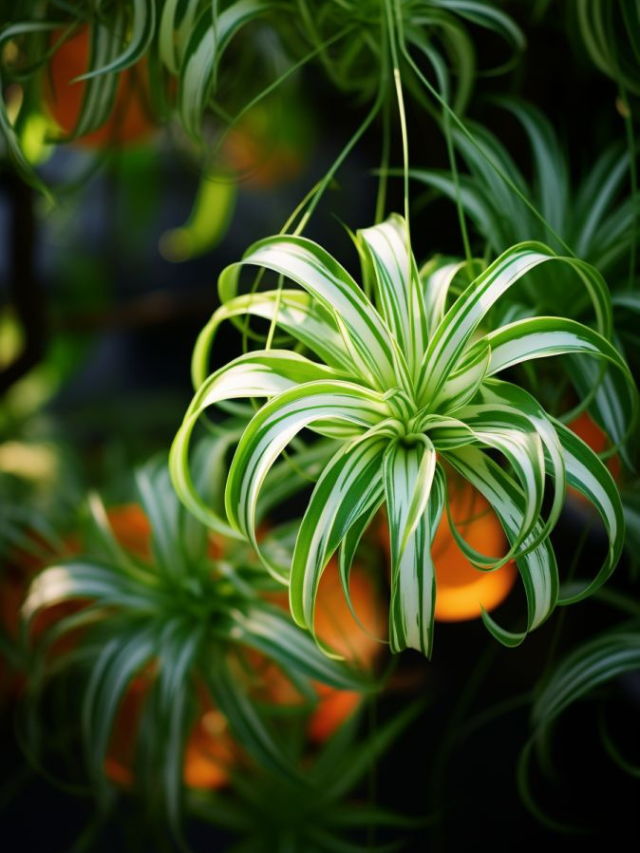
(405, 385)
(360, 46)
(185, 620)
(595, 220)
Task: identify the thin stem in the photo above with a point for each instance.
(456, 180)
(394, 19)
(501, 174)
(381, 197)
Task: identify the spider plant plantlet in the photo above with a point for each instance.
(405, 384)
(169, 628)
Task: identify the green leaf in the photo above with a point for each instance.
(414, 497)
(273, 427)
(365, 335)
(119, 661)
(293, 310)
(245, 722)
(141, 31)
(100, 91)
(596, 662)
(468, 311)
(208, 40)
(349, 484)
(256, 374)
(271, 632)
(537, 567)
(587, 474)
(388, 251)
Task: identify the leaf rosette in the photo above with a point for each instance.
(178, 621)
(405, 383)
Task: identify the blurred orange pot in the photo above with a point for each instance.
(129, 120)
(462, 591)
(360, 644)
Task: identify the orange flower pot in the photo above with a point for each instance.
(359, 641)
(462, 591)
(129, 120)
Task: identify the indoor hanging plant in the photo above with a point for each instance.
(170, 625)
(405, 384)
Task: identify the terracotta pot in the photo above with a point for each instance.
(129, 120)
(360, 643)
(461, 589)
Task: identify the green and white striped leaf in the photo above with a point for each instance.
(87, 579)
(100, 91)
(271, 632)
(541, 337)
(141, 30)
(587, 474)
(387, 250)
(292, 310)
(514, 436)
(437, 276)
(597, 662)
(119, 661)
(365, 335)
(614, 403)
(468, 311)
(207, 42)
(537, 568)
(497, 393)
(349, 484)
(257, 374)
(245, 721)
(273, 427)
(414, 497)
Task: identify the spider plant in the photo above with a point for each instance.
(360, 46)
(185, 620)
(271, 813)
(406, 386)
(586, 672)
(595, 219)
(611, 35)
